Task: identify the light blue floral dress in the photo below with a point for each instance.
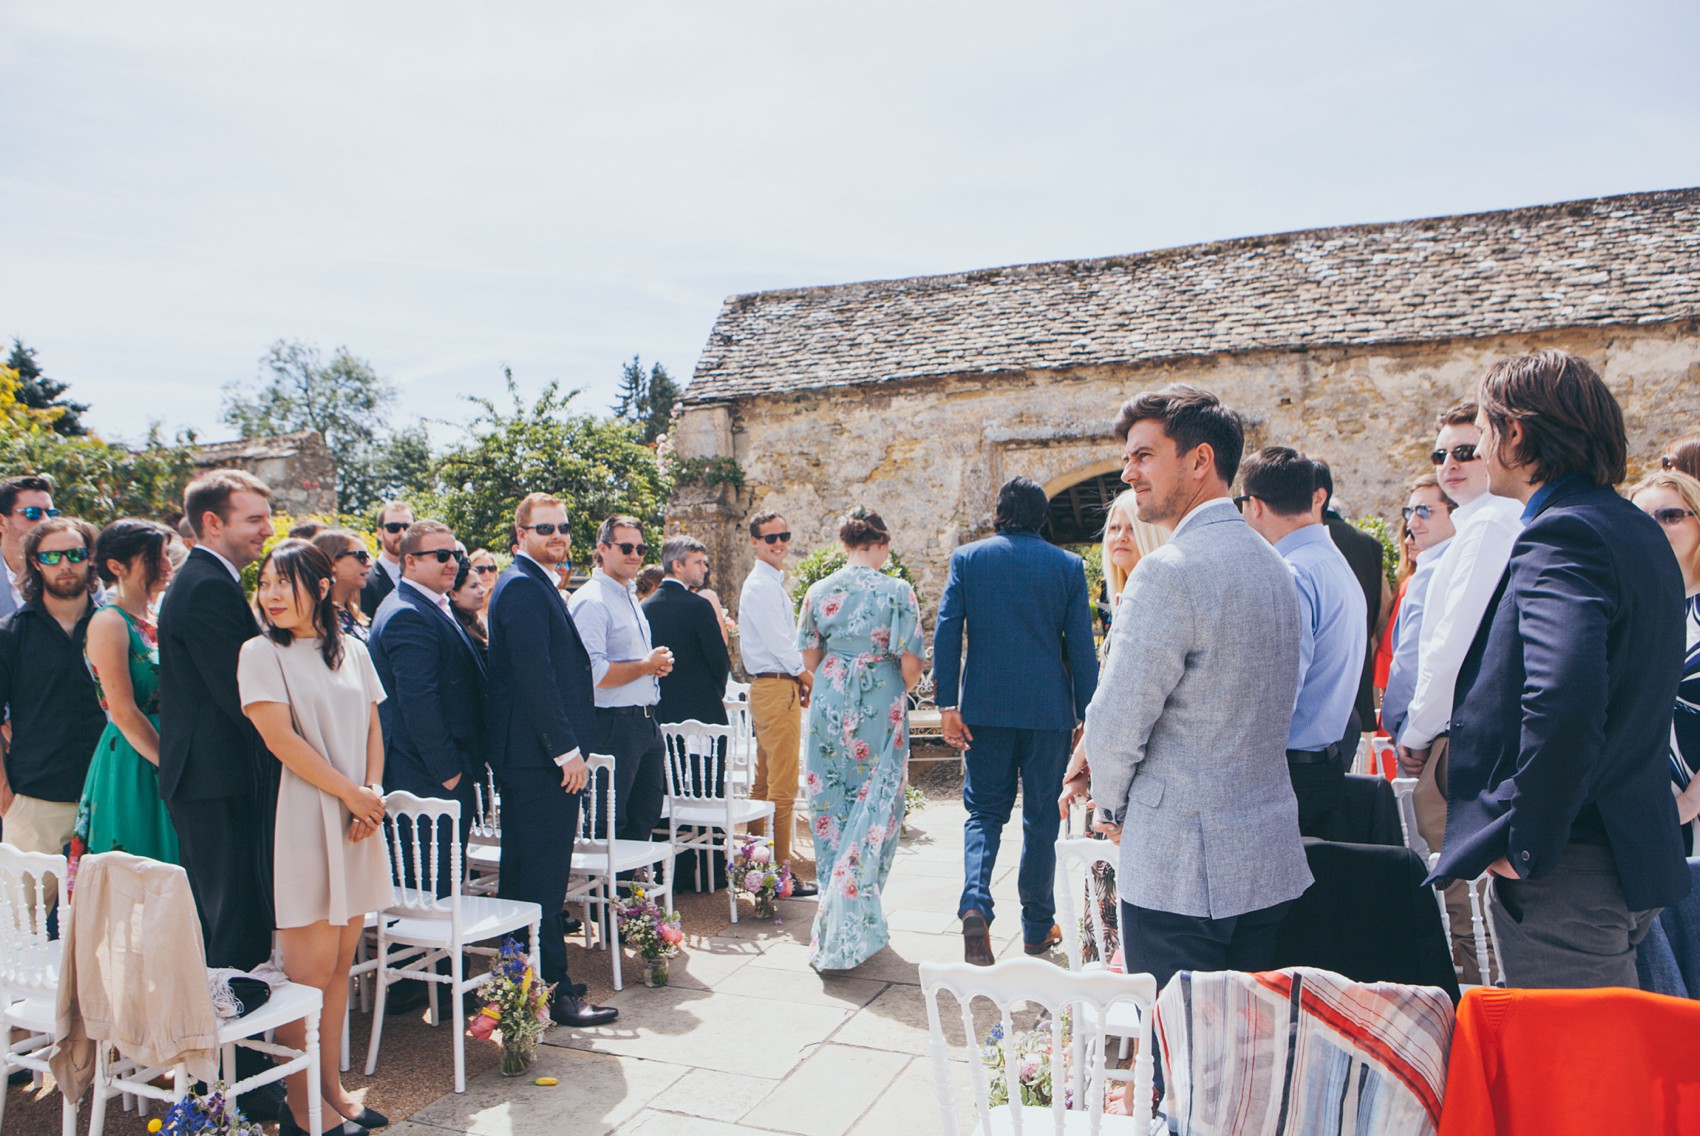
(858, 752)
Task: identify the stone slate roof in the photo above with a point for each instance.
(257, 449)
(1614, 260)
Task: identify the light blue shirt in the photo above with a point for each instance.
(1407, 636)
(1333, 636)
(614, 630)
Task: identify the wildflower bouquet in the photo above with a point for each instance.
(654, 932)
(1036, 1070)
(752, 870)
(516, 1002)
(211, 1114)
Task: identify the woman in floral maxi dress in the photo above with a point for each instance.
(860, 632)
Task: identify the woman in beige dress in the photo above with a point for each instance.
(313, 694)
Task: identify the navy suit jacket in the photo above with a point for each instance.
(1563, 706)
(433, 719)
(542, 696)
(207, 746)
(685, 623)
(1031, 663)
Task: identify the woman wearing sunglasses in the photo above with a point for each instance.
(486, 567)
(351, 562)
(1673, 500)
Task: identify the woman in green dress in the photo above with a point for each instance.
(120, 808)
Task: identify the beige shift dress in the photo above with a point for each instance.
(318, 873)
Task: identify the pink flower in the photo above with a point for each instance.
(483, 1024)
(881, 636)
(897, 713)
(761, 854)
(831, 605)
(850, 889)
(671, 934)
(812, 783)
(785, 887)
(752, 881)
(862, 793)
(860, 749)
(876, 836)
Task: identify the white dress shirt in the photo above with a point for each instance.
(228, 566)
(767, 627)
(12, 583)
(390, 568)
(1463, 583)
(614, 630)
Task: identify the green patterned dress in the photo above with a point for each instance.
(858, 752)
(120, 808)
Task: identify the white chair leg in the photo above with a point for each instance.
(381, 977)
(97, 1094)
(67, 1116)
(457, 1010)
(315, 1118)
(342, 1058)
(1478, 930)
(431, 993)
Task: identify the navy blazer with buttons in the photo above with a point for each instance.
(542, 697)
(433, 719)
(685, 623)
(1031, 660)
(1563, 704)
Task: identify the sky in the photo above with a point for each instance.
(448, 189)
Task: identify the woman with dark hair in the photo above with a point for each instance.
(860, 633)
(1683, 456)
(469, 595)
(351, 564)
(313, 695)
(120, 809)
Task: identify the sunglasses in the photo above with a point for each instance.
(397, 526)
(1239, 502)
(74, 555)
(442, 555)
(1423, 511)
(626, 546)
(1666, 462)
(1671, 517)
(36, 512)
(486, 569)
(546, 529)
(775, 538)
(1464, 453)
(359, 554)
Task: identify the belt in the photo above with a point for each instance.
(627, 711)
(778, 674)
(1313, 756)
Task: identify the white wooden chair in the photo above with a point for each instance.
(484, 840)
(1404, 789)
(705, 806)
(1076, 858)
(1089, 998)
(599, 858)
(422, 928)
(30, 883)
(118, 1073)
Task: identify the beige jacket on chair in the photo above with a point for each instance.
(134, 972)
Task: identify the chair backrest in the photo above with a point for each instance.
(742, 723)
(1077, 859)
(487, 811)
(1403, 790)
(1086, 1076)
(737, 691)
(597, 811)
(412, 829)
(1386, 756)
(699, 761)
(30, 884)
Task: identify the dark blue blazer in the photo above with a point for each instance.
(685, 623)
(542, 696)
(433, 719)
(1562, 714)
(1031, 663)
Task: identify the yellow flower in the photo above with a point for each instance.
(544, 1081)
(155, 1124)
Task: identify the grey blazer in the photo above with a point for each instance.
(1187, 734)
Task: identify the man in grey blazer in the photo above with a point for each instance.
(1186, 737)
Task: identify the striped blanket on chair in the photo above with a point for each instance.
(1301, 1051)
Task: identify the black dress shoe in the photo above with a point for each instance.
(574, 1011)
(976, 939)
(571, 925)
(370, 1118)
(576, 989)
(264, 1104)
(804, 889)
(286, 1125)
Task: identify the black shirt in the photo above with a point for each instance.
(54, 707)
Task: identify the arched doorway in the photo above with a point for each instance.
(1077, 511)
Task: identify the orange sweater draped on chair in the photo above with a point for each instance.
(1552, 1062)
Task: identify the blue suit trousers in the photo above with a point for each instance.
(998, 759)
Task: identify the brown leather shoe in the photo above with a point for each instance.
(976, 939)
(1044, 947)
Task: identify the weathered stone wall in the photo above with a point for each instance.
(930, 454)
(298, 468)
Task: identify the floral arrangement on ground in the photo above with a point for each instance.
(644, 925)
(516, 1004)
(209, 1114)
(752, 871)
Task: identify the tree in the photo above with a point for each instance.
(344, 400)
(38, 392)
(646, 400)
(597, 466)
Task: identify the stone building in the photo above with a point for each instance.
(919, 397)
(298, 468)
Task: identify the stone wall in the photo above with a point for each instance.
(298, 468)
(930, 454)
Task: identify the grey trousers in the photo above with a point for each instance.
(1570, 929)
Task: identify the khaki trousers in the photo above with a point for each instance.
(34, 825)
(776, 711)
(1429, 801)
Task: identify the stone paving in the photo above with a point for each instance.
(748, 1038)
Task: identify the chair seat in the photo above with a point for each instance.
(33, 1015)
(481, 917)
(484, 857)
(744, 810)
(289, 1002)
(628, 854)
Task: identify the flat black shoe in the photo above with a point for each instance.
(264, 1104)
(370, 1118)
(804, 889)
(574, 1011)
(572, 926)
(286, 1125)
